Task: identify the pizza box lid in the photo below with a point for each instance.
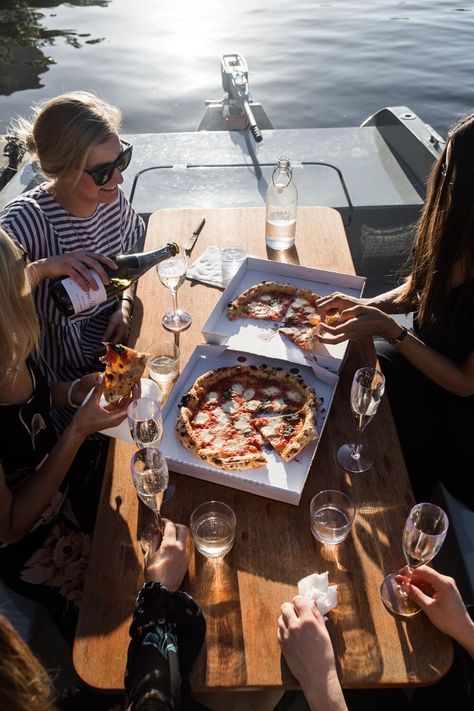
(260, 336)
(279, 480)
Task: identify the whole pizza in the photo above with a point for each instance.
(230, 414)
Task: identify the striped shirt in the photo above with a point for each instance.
(45, 229)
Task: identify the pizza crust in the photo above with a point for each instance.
(216, 419)
(124, 368)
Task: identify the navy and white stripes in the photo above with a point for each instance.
(44, 229)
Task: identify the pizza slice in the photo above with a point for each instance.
(289, 434)
(302, 309)
(304, 336)
(268, 300)
(124, 368)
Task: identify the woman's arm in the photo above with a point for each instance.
(76, 265)
(167, 631)
(21, 507)
(360, 322)
(390, 302)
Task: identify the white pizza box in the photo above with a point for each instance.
(262, 337)
(279, 480)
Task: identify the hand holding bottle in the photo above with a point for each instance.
(77, 265)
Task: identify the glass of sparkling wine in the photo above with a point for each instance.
(213, 527)
(368, 386)
(145, 422)
(332, 514)
(423, 535)
(172, 273)
(150, 476)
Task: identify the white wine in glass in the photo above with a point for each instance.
(145, 422)
(172, 273)
(423, 535)
(150, 476)
(368, 386)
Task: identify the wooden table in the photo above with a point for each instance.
(241, 594)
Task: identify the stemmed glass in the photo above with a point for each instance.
(172, 273)
(145, 422)
(368, 386)
(423, 535)
(150, 476)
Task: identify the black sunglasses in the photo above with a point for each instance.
(103, 173)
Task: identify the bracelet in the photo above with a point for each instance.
(69, 393)
(127, 298)
(395, 342)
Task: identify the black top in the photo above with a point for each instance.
(456, 338)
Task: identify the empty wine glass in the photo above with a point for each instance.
(423, 535)
(145, 422)
(172, 273)
(150, 476)
(368, 386)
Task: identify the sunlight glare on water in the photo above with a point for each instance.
(311, 64)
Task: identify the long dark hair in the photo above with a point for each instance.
(445, 234)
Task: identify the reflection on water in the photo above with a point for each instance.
(24, 37)
(311, 63)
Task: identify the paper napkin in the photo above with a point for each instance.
(207, 268)
(316, 587)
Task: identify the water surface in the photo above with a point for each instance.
(311, 63)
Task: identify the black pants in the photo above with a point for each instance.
(436, 428)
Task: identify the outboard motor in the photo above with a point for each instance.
(236, 111)
(235, 83)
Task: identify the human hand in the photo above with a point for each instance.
(307, 648)
(166, 561)
(93, 417)
(76, 265)
(117, 329)
(440, 600)
(357, 323)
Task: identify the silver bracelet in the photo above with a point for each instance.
(69, 393)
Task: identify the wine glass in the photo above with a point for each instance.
(423, 535)
(145, 422)
(150, 476)
(368, 386)
(172, 273)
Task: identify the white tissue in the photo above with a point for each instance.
(315, 587)
(207, 268)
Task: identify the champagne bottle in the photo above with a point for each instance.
(71, 299)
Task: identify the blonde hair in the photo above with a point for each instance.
(65, 129)
(24, 682)
(19, 329)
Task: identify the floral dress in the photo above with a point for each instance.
(49, 562)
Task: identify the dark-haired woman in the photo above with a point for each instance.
(74, 222)
(430, 369)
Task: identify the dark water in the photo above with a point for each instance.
(311, 63)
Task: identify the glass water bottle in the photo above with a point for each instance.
(281, 202)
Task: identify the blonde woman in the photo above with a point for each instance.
(42, 553)
(73, 222)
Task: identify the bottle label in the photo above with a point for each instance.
(83, 300)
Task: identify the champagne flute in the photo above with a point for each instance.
(368, 386)
(145, 422)
(172, 273)
(150, 476)
(423, 535)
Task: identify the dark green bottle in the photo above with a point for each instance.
(71, 299)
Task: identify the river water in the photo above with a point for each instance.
(311, 63)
